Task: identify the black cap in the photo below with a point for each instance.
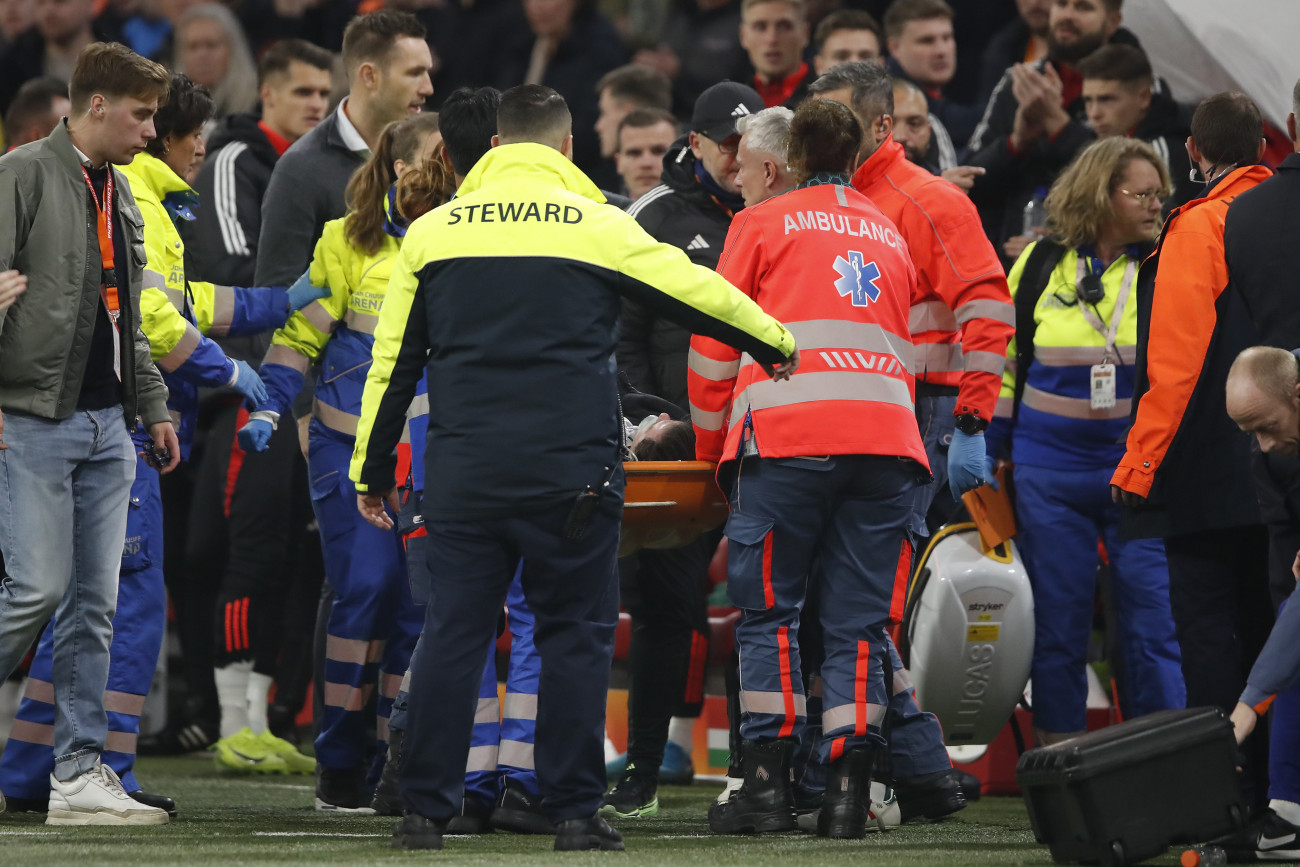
(719, 107)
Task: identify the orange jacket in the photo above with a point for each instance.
(962, 316)
(1190, 276)
(828, 264)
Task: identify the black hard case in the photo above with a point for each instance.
(1123, 794)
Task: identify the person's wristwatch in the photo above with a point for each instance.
(971, 424)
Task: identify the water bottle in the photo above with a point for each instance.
(1204, 856)
(1034, 222)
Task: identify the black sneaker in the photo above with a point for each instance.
(343, 791)
(417, 832)
(634, 796)
(177, 740)
(931, 796)
(26, 805)
(162, 802)
(473, 818)
(764, 803)
(519, 812)
(1268, 837)
(580, 835)
(387, 800)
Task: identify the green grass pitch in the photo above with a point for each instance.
(269, 820)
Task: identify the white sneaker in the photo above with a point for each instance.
(97, 798)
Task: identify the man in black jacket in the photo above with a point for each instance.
(1262, 261)
(665, 589)
(1035, 121)
(1120, 97)
(294, 78)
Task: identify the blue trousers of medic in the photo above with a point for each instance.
(571, 586)
(843, 520)
(138, 627)
(373, 622)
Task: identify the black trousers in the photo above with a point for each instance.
(665, 591)
(1219, 592)
(572, 589)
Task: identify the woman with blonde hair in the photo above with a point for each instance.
(1061, 419)
(212, 50)
(373, 623)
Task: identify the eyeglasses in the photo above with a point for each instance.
(1146, 197)
(729, 146)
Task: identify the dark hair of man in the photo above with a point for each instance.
(640, 118)
(638, 85)
(873, 88)
(370, 38)
(902, 12)
(1227, 128)
(187, 109)
(32, 103)
(675, 443)
(468, 120)
(846, 19)
(1126, 64)
(281, 55)
(824, 137)
(113, 70)
(533, 113)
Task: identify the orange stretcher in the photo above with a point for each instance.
(669, 503)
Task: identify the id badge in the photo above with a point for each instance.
(1103, 386)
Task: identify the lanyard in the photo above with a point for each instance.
(1130, 272)
(108, 279)
(104, 227)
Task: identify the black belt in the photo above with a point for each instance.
(927, 389)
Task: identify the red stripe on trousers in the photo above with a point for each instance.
(403, 472)
(243, 619)
(236, 461)
(695, 669)
(837, 749)
(230, 639)
(900, 582)
(787, 687)
(860, 674)
(769, 598)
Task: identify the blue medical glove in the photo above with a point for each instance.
(303, 292)
(965, 463)
(990, 471)
(249, 384)
(254, 436)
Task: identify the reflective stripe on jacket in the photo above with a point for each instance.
(1057, 426)
(825, 261)
(961, 316)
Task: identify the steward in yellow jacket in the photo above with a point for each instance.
(507, 298)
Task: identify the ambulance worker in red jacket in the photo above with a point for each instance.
(820, 469)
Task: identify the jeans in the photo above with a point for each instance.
(64, 488)
(935, 419)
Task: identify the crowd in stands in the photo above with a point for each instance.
(1037, 128)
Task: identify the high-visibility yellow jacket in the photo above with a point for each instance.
(509, 295)
(176, 312)
(1057, 426)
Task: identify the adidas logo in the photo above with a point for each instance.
(698, 243)
(740, 110)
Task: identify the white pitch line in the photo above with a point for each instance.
(311, 834)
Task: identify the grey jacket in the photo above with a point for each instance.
(45, 335)
(305, 193)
